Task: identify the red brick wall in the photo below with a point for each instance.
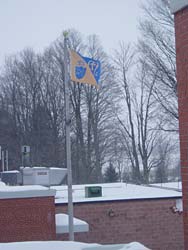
(181, 29)
(150, 222)
(27, 219)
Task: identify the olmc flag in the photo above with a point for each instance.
(84, 69)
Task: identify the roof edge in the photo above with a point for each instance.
(177, 5)
(59, 203)
(27, 194)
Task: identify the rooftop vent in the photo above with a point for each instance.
(43, 176)
(11, 178)
(93, 191)
(34, 176)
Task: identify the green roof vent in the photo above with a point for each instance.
(93, 191)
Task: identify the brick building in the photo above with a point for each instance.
(180, 10)
(124, 213)
(127, 213)
(27, 214)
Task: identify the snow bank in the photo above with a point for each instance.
(130, 246)
(67, 245)
(48, 245)
(2, 184)
(134, 246)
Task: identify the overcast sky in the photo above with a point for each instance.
(37, 23)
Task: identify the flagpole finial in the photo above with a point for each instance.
(65, 34)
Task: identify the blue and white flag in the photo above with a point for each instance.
(84, 69)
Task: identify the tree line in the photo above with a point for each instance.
(126, 124)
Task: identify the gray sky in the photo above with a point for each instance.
(37, 23)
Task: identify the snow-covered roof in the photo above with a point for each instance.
(68, 245)
(177, 5)
(11, 171)
(169, 185)
(110, 192)
(115, 191)
(10, 192)
(62, 224)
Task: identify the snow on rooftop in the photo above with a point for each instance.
(62, 224)
(11, 171)
(115, 191)
(5, 188)
(68, 245)
(110, 192)
(8, 192)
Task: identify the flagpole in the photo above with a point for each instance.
(68, 143)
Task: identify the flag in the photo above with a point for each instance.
(84, 69)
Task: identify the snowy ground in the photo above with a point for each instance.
(66, 245)
(169, 185)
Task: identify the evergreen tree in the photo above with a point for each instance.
(110, 174)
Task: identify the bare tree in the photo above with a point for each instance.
(123, 61)
(163, 154)
(23, 92)
(137, 122)
(157, 46)
(52, 95)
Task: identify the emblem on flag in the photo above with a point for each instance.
(80, 70)
(84, 69)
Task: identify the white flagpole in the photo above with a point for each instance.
(68, 144)
(3, 160)
(7, 160)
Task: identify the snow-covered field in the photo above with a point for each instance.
(170, 185)
(67, 245)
